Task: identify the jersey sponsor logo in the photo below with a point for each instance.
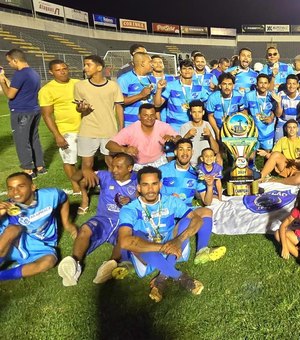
(26, 220)
(270, 201)
(112, 207)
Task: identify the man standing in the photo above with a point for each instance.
(245, 77)
(129, 66)
(148, 230)
(25, 112)
(60, 115)
(33, 213)
(179, 94)
(223, 103)
(274, 68)
(144, 139)
(100, 102)
(117, 189)
(136, 87)
(222, 67)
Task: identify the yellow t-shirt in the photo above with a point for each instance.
(61, 96)
(288, 147)
(100, 123)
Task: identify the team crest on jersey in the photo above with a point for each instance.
(24, 220)
(269, 201)
(234, 107)
(131, 189)
(190, 183)
(269, 106)
(252, 80)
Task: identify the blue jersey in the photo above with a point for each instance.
(259, 107)
(154, 219)
(216, 171)
(131, 85)
(108, 208)
(39, 219)
(168, 78)
(289, 106)
(28, 82)
(205, 80)
(182, 182)
(178, 97)
(283, 71)
(245, 80)
(221, 107)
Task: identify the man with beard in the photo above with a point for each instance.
(274, 68)
(202, 76)
(180, 179)
(245, 77)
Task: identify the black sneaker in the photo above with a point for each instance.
(42, 171)
(32, 174)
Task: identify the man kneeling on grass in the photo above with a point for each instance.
(28, 230)
(149, 231)
(117, 188)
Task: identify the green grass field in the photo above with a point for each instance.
(250, 294)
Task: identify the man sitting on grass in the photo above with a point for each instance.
(149, 231)
(117, 189)
(28, 230)
(285, 156)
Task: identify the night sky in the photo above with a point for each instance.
(216, 13)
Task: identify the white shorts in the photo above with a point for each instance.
(88, 146)
(69, 155)
(160, 161)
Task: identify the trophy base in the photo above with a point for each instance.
(242, 186)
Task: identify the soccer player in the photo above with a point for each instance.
(136, 87)
(22, 93)
(288, 102)
(203, 77)
(245, 77)
(261, 106)
(100, 102)
(149, 231)
(222, 67)
(29, 233)
(179, 94)
(117, 189)
(180, 179)
(199, 131)
(274, 68)
(60, 115)
(223, 103)
(132, 50)
(158, 74)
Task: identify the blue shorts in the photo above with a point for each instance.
(29, 250)
(103, 230)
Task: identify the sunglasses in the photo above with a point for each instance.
(272, 54)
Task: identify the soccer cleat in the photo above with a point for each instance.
(192, 285)
(104, 272)
(123, 269)
(158, 285)
(209, 254)
(69, 270)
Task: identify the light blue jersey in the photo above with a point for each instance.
(283, 71)
(221, 107)
(163, 213)
(184, 183)
(245, 80)
(39, 219)
(131, 85)
(168, 78)
(259, 107)
(205, 80)
(178, 97)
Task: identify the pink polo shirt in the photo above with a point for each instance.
(150, 147)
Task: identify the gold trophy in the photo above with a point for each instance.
(239, 135)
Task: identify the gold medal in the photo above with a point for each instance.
(13, 210)
(157, 239)
(185, 106)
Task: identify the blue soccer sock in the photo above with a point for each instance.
(204, 233)
(165, 265)
(11, 274)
